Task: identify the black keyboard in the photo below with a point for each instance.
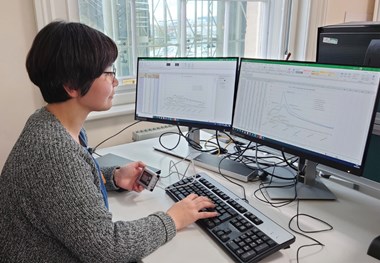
(243, 232)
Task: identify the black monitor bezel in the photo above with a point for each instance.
(298, 151)
(189, 123)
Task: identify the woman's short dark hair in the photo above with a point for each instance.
(71, 54)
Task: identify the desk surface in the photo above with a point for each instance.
(354, 216)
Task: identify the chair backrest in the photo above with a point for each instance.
(372, 55)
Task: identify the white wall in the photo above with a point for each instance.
(18, 97)
(338, 11)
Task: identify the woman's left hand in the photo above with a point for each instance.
(126, 176)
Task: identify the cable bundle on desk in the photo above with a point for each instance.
(303, 232)
(193, 144)
(300, 231)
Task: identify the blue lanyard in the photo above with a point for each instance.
(83, 141)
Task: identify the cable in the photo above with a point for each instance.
(268, 185)
(231, 181)
(180, 135)
(193, 144)
(273, 165)
(296, 217)
(180, 175)
(303, 231)
(261, 161)
(99, 155)
(174, 165)
(167, 133)
(221, 149)
(239, 156)
(93, 150)
(290, 164)
(216, 150)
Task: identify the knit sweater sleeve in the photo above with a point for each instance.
(73, 210)
(59, 193)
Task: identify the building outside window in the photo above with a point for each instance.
(179, 28)
(176, 28)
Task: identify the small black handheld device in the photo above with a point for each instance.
(148, 179)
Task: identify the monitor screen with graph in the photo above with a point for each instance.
(193, 92)
(322, 113)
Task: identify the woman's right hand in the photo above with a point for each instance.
(190, 209)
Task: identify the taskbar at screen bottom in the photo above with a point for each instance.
(314, 156)
(186, 122)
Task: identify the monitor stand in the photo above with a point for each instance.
(308, 187)
(183, 150)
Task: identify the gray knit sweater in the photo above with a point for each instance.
(52, 209)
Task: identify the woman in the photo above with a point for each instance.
(53, 195)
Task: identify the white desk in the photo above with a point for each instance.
(354, 216)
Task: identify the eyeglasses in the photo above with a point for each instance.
(111, 73)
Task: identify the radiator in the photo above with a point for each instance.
(152, 132)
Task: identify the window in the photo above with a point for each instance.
(175, 28)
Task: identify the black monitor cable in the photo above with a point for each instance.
(230, 180)
(180, 135)
(241, 150)
(93, 150)
(291, 163)
(296, 217)
(265, 170)
(168, 133)
(195, 145)
(217, 148)
(221, 150)
(304, 232)
(232, 140)
(267, 185)
(190, 142)
(262, 161)
(239, 156)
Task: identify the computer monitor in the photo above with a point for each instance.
(194, 92)
(356, 43)
(321, 113)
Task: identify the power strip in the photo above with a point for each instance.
(152, 132)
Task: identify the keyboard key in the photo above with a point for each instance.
(233, 246)
(261, 248)
(237, 206)
(248, 255)
(253, 218)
